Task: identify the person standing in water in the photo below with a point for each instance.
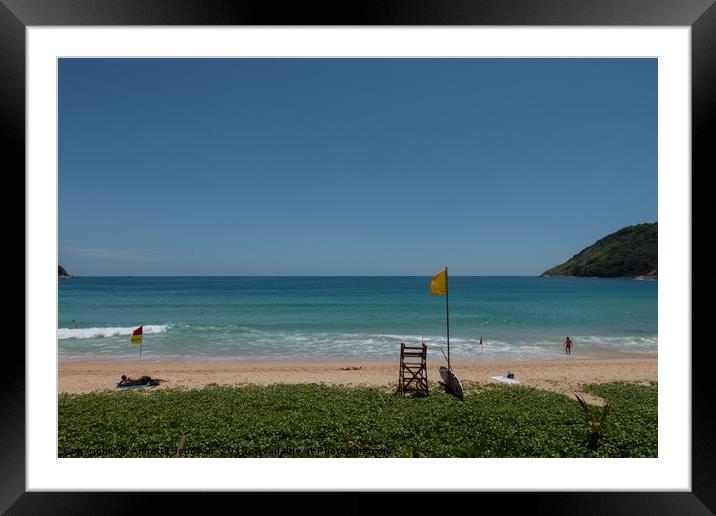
(568, 346)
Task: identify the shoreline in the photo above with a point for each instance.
(476, 357)
(564, 376)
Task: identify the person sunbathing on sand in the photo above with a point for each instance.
(142, 380)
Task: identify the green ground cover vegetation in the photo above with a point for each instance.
(334, 421)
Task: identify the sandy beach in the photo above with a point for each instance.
(564, 376)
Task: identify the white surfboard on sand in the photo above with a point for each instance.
(504, 379)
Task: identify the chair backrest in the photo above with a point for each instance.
(413, 352)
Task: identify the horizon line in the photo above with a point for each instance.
(287, 275)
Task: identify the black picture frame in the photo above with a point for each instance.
(700, 15)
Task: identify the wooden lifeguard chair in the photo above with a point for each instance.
(413, 369)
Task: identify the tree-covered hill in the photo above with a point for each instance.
(630, 252)
(62, 273)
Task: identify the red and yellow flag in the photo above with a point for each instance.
(137, 335)
(438, 286)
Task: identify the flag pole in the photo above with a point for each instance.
(447, 316)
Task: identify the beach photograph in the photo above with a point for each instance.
(357, 258)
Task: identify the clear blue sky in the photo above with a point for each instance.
(350, 166)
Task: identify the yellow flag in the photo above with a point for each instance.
(438, 285)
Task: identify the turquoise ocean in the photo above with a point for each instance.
(353, 318)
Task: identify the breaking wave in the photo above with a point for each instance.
(94, 333)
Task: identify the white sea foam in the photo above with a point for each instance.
(203, 342)
(94, 333)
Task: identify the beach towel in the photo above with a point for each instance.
(504, 379)
(151, 383)
(140, 386)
